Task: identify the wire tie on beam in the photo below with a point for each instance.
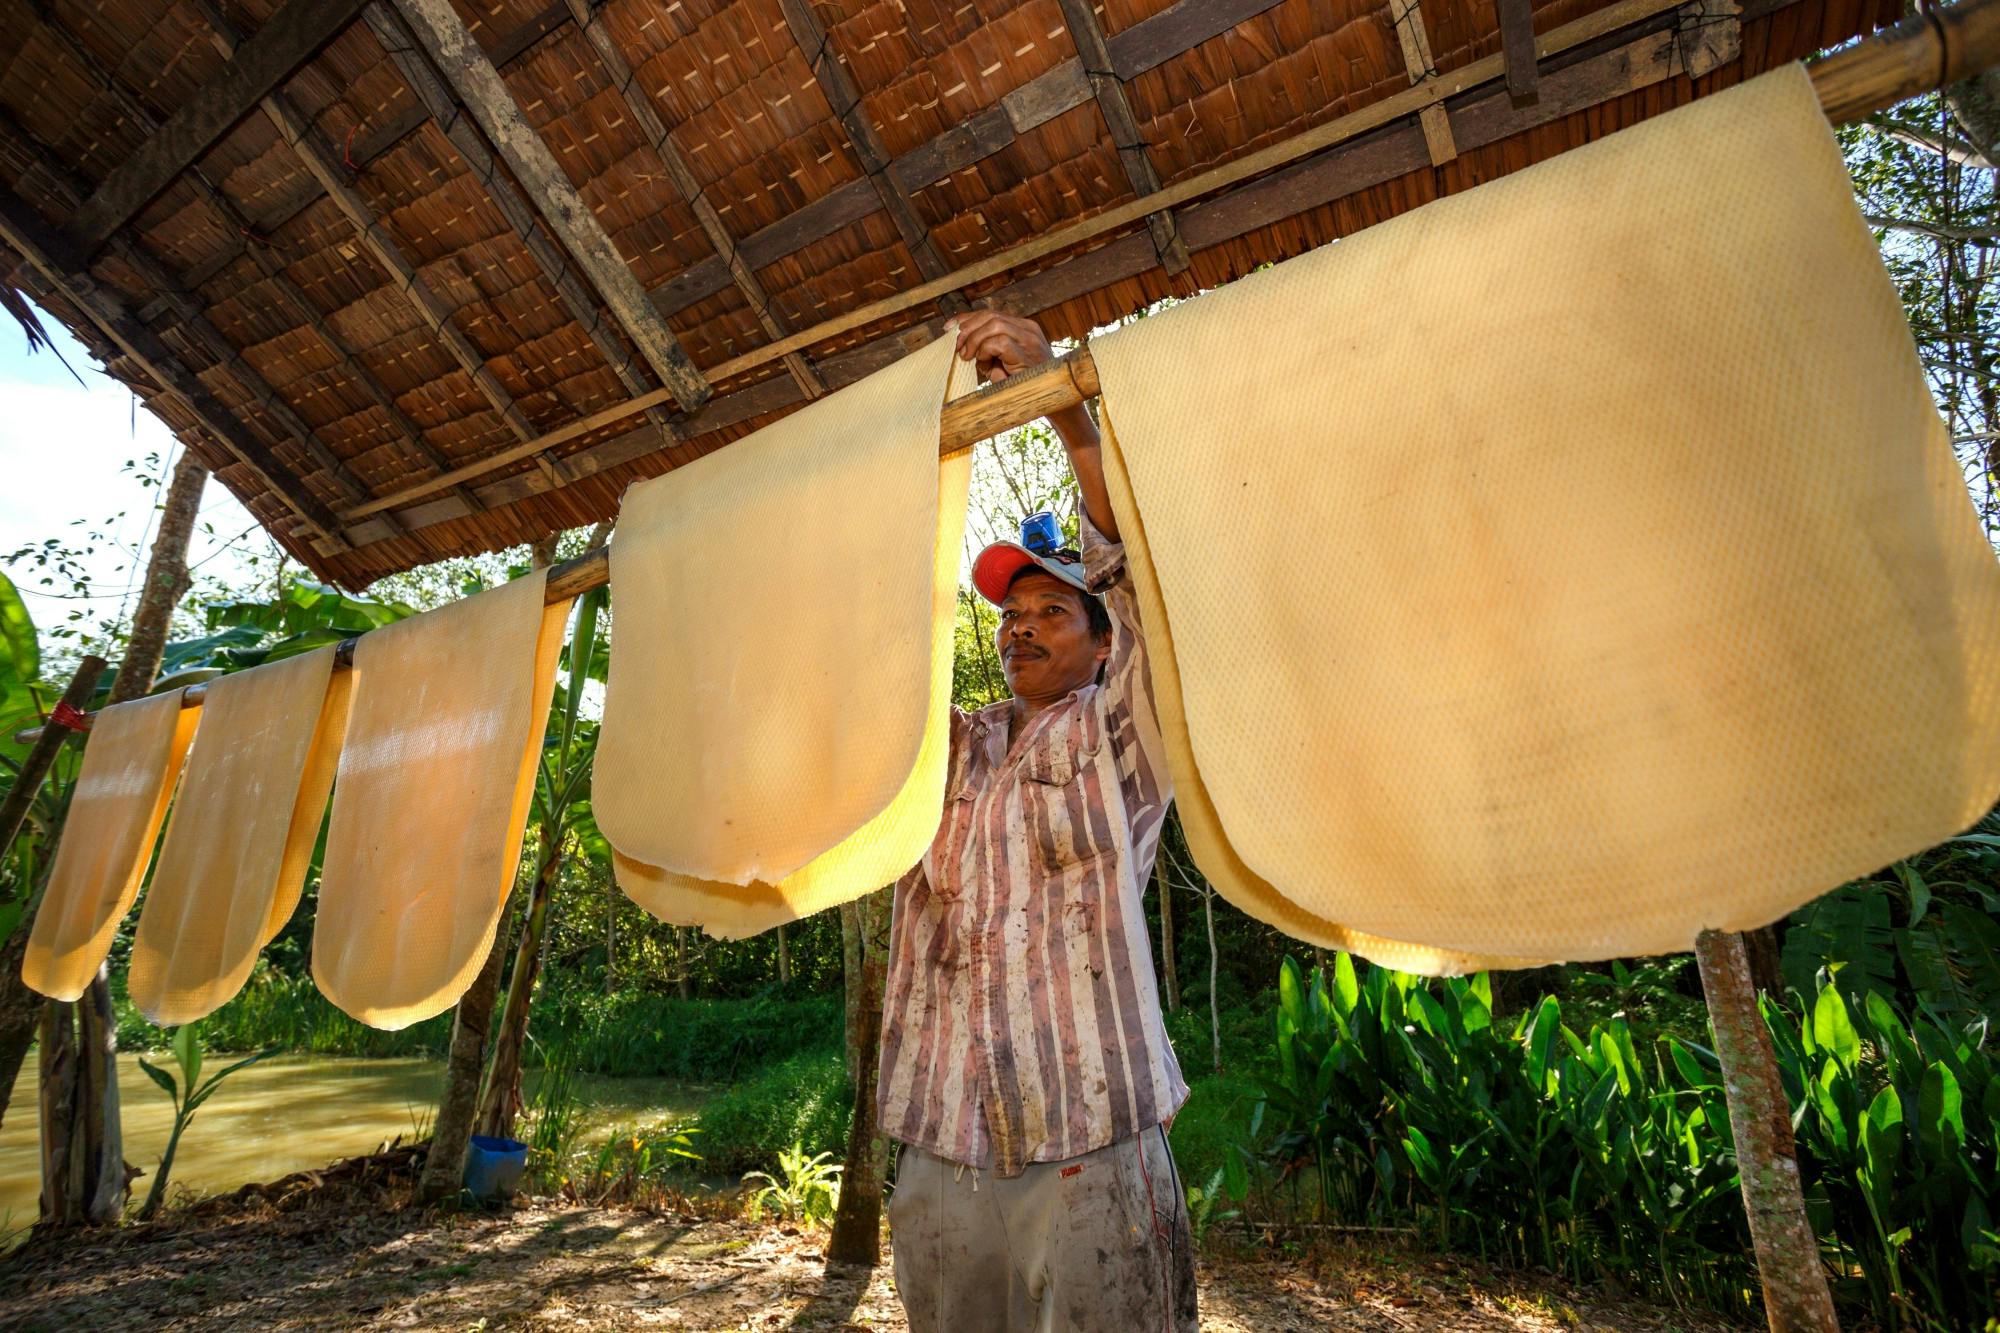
(68, 715)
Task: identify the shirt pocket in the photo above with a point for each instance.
(1062, 802)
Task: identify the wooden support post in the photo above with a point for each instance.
(293, 36)
(1710, 34)
(864, 949)
(1796, 1299)
(450, 46)
(1095, 52)
(1416, 44)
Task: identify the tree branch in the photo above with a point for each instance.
(1882, 222)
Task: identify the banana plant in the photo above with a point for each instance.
(188, 1093)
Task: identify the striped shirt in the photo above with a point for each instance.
(1022, 1018)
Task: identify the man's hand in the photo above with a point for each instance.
(1001, 346)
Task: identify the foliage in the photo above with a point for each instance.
(1898, 1122)
(803, 1100)
(1399, 1100)
(187, 1094)
(285, 1012)
(638, 1166)
(806, 1189)
(1926, 926)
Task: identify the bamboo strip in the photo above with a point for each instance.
(1921, 53)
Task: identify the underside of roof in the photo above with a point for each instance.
(398, 270)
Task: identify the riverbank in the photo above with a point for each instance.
(332, 1265)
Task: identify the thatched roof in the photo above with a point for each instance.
(360, 254)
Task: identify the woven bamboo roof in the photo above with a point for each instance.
(394, 283)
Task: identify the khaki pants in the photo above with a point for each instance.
(1095, 1244)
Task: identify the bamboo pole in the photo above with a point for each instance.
(1922, 53)
(48, 742)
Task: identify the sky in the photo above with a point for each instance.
(64, 447)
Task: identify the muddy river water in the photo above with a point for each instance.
(281, 1115)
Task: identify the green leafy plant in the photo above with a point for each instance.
(806, 1189)
(188, 1094)
(1201, 1205)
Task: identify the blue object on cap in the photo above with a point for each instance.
(1041, 533)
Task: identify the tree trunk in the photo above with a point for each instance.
(451, 1132)
(56, 1091)
(167, 581)
(502, 1101)
(784, 959)
(1170, 977)
(681, 986)
(1796, 1299)
(610, 934)
(21, 1008)
(864, 943)
(92, 1178)
(1214, 969)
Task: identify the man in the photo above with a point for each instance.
(1024, 1067)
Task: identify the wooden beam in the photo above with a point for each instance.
(1143, 46)
(1396, 106)
(845, 99)
(1517, 45)
(407, 432)
(33, 239)
(319, 160)
(683, 179)
(442, 106)
(1095, 53)
(1416, 44)
(294, 36)
(450, 46)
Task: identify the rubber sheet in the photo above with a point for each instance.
(130, 762)
(777, 718)
(1566, 566)
(446, 724)
(241, 834)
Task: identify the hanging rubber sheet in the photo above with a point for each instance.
(130, 761)
(777, 720)
(1567, 566)
(241, 834)
(445, 728)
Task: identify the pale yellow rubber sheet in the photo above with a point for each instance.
(777, 720)
(446, 725)
(234, 860)
(130, 762)
(1567, 566)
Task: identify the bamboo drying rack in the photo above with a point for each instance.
(1921, 54)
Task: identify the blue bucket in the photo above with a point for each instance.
(493, 1166)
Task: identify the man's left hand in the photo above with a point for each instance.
(1001, 345)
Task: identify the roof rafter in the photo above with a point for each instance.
(1486, 114)
(684, 182)
(1112, 103)
(845, 99)
(1148, 43)
(319, 159)
(408, 433)
(35, 241)
(442, 107)
(1408, 20)
(273, 54)
(450, 46)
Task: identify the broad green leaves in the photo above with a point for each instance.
(20, 656)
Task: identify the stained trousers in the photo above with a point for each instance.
(1095, 1243)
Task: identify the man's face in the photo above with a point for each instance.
(1045, 644)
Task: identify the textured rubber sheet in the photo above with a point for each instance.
(241, 834)
(1567, 566)
(130, 762)
(777, 719)
(446, 724)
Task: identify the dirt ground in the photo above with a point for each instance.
(345, 1264)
